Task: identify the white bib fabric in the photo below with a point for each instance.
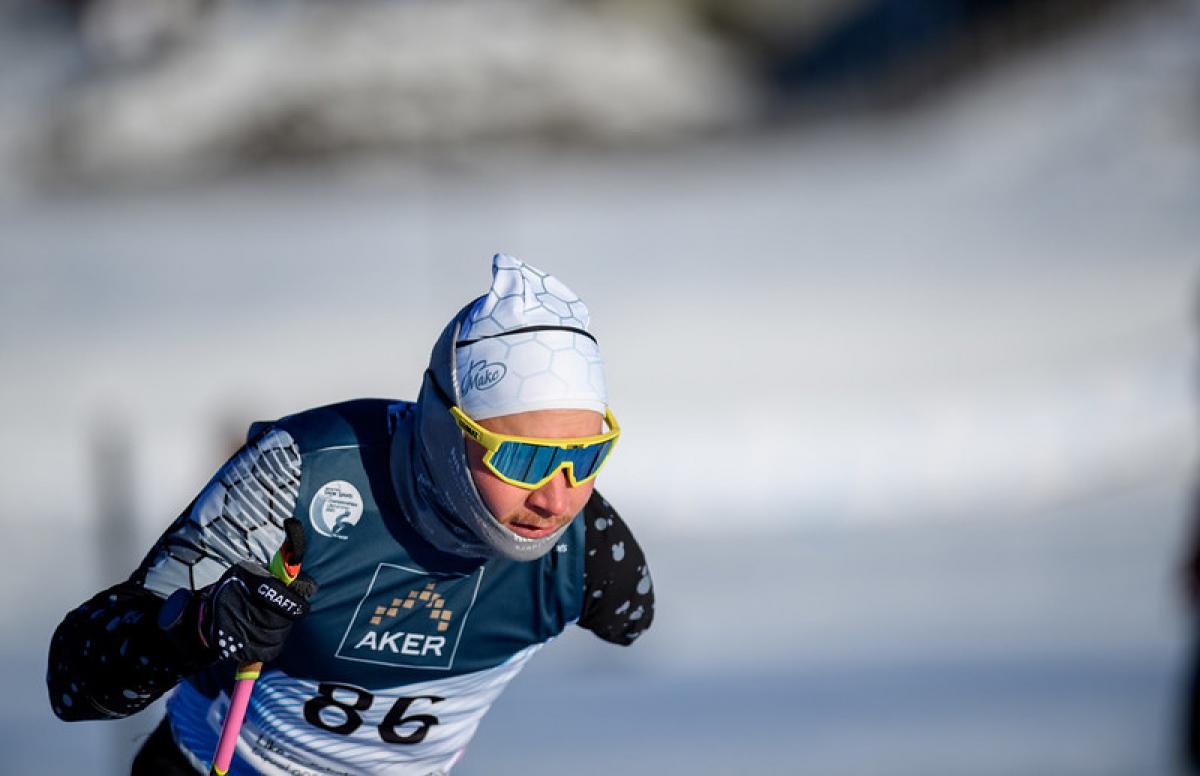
(276, 740)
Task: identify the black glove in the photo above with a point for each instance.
(247, 614)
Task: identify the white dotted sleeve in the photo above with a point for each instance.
(618, 601)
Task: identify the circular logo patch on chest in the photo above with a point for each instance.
(336, 508)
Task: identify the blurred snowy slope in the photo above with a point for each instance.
(982, 307)
(178, 88)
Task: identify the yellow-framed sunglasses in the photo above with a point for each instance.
(530, 462)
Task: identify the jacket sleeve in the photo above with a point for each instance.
(618, 604)
(109, 658)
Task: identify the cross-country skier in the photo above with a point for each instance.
(451, 539)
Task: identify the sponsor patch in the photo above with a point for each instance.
(336, 508)
(410, 619)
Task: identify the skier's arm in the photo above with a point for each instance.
(618, 603)
(109, 657)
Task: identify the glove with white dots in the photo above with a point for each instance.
(247, 614)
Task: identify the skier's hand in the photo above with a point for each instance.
(248, 613)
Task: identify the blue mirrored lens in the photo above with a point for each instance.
(530, 463)
(513, 459)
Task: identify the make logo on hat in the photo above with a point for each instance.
(482, 375)
(410, 619)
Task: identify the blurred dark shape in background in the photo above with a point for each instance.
(1189, 585)
(888, 53)
(116, 536)
(154, 88)
(1189, 723)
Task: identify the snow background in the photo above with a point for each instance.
(909, 410)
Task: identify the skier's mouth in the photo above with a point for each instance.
(531, 530)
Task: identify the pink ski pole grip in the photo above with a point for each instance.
(243, 686)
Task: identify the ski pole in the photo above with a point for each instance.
(285, 565)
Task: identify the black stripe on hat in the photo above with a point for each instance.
(526, 330)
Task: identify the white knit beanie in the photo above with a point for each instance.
(525, 346)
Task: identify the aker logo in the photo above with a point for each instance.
(410, 619)
(428, 598)
(337, 507)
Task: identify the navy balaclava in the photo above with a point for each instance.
(456, 520)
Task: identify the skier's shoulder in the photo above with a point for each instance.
(357, 422)
(599, 514)
(606, 532)
(619, 595)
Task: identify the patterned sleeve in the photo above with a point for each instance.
(108, 658)
(238, 516)
(618, 593)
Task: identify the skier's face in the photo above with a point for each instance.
(534, 513)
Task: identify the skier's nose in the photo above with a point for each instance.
(552, 498)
